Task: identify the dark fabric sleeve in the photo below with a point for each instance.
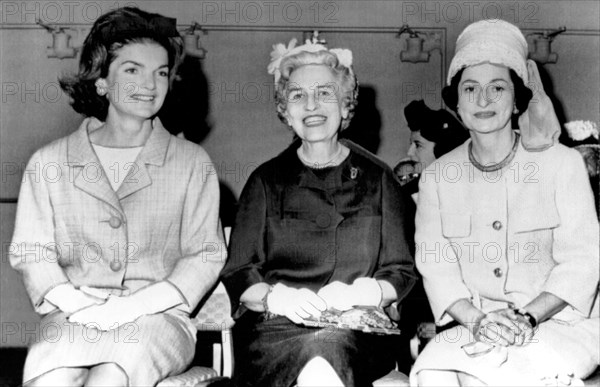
(246, 247)
(396, 262)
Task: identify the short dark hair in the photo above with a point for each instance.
(522, 93)
(111, 32)
(437, 126)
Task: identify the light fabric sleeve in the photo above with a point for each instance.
(202, 243)
(33, 251)
(576, 247)
(442, 278)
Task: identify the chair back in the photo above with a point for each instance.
(215, 314)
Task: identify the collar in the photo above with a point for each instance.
(80, 151)
(81, 155)
(344, 174)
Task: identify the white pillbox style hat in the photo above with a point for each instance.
(493, 41)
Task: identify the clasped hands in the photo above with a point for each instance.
(503, 327)
(94, 308)
(299, 304)
(113, 313)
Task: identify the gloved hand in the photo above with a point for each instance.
(68, 299)
(119, 311)
(115, 312)
(363, 291)
(295, 304)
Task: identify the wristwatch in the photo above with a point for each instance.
(528, 316)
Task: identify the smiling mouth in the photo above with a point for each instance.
(484, 115)
(142, 98)
(314, 120)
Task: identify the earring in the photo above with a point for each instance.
(100, 90)
(515, 110)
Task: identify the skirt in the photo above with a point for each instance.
(273, 352)
(567, 350)
(148, 350)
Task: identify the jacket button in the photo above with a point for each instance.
(497, 225)
(115, 266)
(323, 220)
(115, 222)
(498, 272)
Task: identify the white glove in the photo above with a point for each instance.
(363, 291)
(68, 299)
(119, 311)
(115, 312)
(295, 304)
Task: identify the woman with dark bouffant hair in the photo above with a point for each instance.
(433, 133)
(439, 129)
(118, 250)
(110, 33)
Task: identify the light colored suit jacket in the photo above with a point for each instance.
(161, 224)
(508, 235)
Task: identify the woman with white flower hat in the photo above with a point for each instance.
(319, 227)
(506, 232)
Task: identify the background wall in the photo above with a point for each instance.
(243, 130)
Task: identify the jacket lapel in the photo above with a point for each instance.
(88, 173)
(153, 153)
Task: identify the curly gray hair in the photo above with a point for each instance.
(347, 80)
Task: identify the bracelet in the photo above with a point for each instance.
(528, 316)
(264, 300)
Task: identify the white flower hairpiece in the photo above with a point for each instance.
(581, 130)
(280, 51)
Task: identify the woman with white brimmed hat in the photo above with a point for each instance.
(507, 239)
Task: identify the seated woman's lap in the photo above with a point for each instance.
(557, 348)
(273, 352)
(147, 350)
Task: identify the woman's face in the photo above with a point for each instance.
(137, 81)
(486, 98)
(314, 103)
(421, 150)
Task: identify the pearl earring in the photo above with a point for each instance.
(100, 89)
(515, 110)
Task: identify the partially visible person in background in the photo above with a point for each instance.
(585, 138)
(118, 251)
(433, 134)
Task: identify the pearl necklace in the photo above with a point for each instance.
(316, 165)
